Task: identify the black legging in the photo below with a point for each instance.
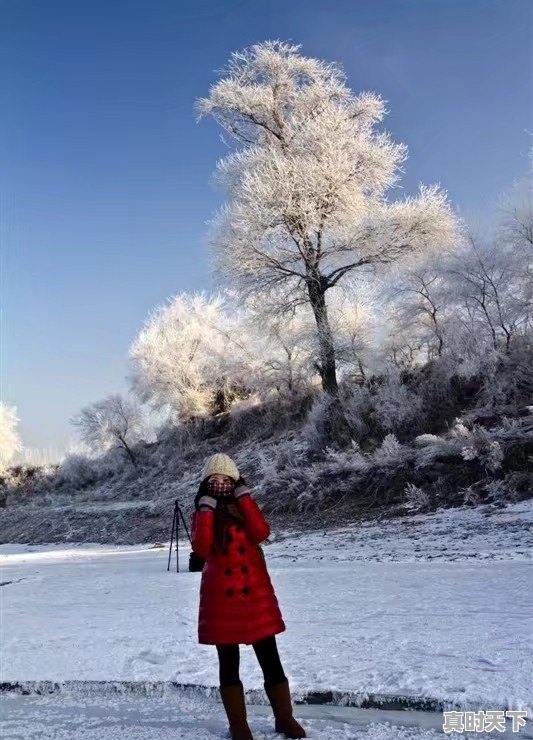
(267, 654)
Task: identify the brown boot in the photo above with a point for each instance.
(234, 704)
(279, 697)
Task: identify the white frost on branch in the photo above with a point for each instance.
(10, 442)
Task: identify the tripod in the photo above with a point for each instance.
(175, 528)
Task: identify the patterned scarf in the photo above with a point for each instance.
(226, 511)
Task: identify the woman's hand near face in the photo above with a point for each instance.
(241, 489)
(208, 503)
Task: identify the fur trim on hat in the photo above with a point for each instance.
(220, 463)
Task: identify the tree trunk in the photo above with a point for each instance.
(223, 398)
(338, 429)
(327, 366)
(129, 452)
(220, 404)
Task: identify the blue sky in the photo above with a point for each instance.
(106, 175)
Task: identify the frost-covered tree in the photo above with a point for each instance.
(489, 281)
(282, 345)
(307, 186)
(516, 223)
(112, 423)
(419, 306)
(192, 355)
(10, 441)
(471, 302)
(357, 323)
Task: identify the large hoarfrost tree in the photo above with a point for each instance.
(10, 442)
(307, 186)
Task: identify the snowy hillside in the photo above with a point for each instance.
(296, 485)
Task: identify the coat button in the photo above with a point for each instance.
(246, 590)
(242, 549)
(228, 571)
(230, 592)
(244, 569)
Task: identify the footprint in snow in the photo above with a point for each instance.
(149, 656)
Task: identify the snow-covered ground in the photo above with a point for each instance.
(433, 606)
(194, 717)
(481, 533)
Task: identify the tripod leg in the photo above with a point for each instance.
(177, 544)
(184, 523)
(171, 539)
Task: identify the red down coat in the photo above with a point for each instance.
(237, 600)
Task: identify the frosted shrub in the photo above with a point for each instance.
(430, 447)
(416, 497)
(285, 486)
(114, 462)
(78, 470)
(281, 472)
(339, 461)
(268, 463)
(494, 457)
(391, 453)
(460, 431)
(496, 490)
(423, 440)
(292, 453)
(257, 463)
(314, 431)
(358, 404)
(395, 406)
(305, 500)
(470, 496)
(512, 379)
(481, 446)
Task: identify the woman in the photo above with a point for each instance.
(237, 599)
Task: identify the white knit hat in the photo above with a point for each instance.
(220, 463)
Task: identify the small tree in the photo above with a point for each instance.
(193, 355)
(491, 284)
(112, 423)
(307, 187)
(420, 301)
(10, 441)
(516, 223)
